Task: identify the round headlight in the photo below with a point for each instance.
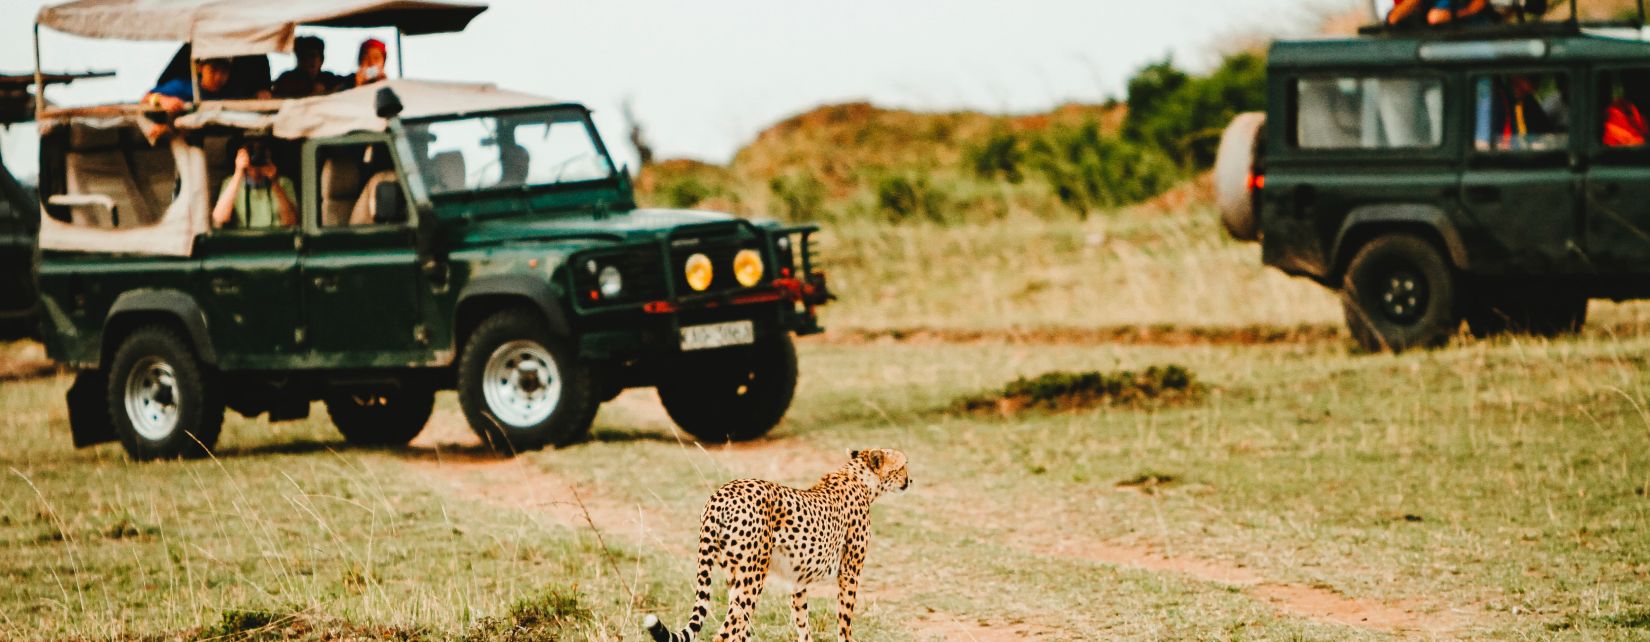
(747, 267)
(698, 272)
(610, 282)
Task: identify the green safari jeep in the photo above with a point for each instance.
(450, 237)
(1498, 176)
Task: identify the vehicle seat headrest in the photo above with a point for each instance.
(449, 170)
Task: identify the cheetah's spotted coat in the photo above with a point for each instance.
(756, 530)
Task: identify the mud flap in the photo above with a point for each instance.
(88, 402)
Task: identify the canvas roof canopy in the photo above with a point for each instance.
(222, 28)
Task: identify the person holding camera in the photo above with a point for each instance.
(371, 58)
(256, 195)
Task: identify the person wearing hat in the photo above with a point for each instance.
(308, 78)
(371, 58)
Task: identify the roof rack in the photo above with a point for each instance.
(1523, 25)
(16, 101)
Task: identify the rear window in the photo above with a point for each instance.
(1368, 112)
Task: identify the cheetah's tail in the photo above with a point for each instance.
(657, 629)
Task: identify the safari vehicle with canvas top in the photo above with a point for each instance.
(1497, 175)
(450, 236)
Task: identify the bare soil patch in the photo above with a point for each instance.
(1157, 334)
(957, 629)
(26, 360)
(453, 456)
(1316, 603)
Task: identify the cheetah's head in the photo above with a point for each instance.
(882, 469)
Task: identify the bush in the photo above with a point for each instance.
(800, 197)
(1183, 115)
(902, 198)
(1058, 391)
(1088, 170)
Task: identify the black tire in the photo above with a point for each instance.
(508, 430)
(734, 394)
(389, 416)
(1400, 293)
(1546, 314)
(158, 372)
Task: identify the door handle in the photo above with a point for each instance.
(327, 284)
(223, 286)
(1484, 194)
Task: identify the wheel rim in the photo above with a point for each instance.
(152, 398)
(1402, 296)
(522, 384)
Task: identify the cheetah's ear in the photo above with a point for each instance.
(853, 454)
(873, 460)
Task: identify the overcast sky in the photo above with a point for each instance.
(704, 77)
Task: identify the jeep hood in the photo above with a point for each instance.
(619, 227)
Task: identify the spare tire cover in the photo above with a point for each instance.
(1233, 164)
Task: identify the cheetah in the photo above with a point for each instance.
(757, 530)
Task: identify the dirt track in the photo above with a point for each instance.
(450, 454)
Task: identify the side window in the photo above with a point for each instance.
(1624, 95)
(350, 178)
(1521, 112)
(111, 177)
(1367, 112)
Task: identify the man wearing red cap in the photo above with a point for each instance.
(372, 57)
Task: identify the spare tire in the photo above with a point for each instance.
(1233, 165)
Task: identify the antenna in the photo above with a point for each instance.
(1641, 13)
(1575, 17)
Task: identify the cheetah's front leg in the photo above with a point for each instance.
(847, 584)
(799, 613)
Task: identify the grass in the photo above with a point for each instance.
(1504, 479)
(1498, 487)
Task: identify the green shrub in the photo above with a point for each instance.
(1088, 170)
(800, 197)
(1183, 115)
(1057, 391)
(905, 198)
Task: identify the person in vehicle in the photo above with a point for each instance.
(1412, 13)
(1624, 124)
(371, 59)
(256, 195)
(176, 94)
(1521, 121)
(308, 78)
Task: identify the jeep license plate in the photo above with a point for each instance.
(718, 335)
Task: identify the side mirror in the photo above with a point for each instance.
(390, 205)
(387, 104)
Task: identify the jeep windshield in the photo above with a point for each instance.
(513, 150)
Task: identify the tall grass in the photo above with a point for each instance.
(1134, 268)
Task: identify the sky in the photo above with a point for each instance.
(705, 77)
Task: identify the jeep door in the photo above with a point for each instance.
(1351, 140)
(1519, 187)
(1618, 176)
(362, 302)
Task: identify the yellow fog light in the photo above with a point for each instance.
(698, 272)
(747, 267)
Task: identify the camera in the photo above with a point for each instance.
(258, 152)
